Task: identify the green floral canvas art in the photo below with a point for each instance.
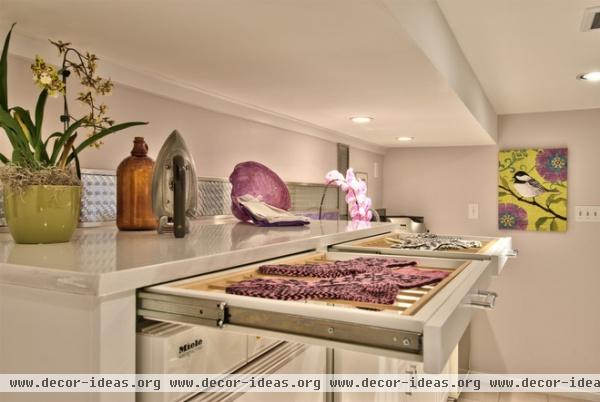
(532, 189)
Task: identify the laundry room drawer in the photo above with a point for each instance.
(400, 330)
(497, 250)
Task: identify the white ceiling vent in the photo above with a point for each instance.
(591, 19)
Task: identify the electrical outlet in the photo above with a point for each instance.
(473, 211)
(589, 213)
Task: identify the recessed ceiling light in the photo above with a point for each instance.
(361, 119)
(404, 139)
(591, 76)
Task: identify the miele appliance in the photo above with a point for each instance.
(168, 348)
(286, 358)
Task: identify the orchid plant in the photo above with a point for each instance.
(39, 159)
(359, 205)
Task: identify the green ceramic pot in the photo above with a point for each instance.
(42, 214)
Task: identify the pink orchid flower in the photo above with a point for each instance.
(359, 204)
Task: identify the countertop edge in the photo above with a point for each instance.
(109, 283)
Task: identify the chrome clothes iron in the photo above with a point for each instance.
(174, 186)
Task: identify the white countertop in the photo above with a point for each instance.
(102, 261)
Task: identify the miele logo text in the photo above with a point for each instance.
(190, 347)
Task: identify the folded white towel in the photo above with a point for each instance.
(268, 215)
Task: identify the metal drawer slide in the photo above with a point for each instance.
(360, 334)
(214, 313)
(181, 309)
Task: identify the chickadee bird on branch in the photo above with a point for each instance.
(529, 187)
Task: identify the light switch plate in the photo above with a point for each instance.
(587, 213)
(473, 211)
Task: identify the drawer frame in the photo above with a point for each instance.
(379, 337)
(386, 332)
(497, 250)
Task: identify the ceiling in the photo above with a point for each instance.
(314, 61)
(528, 53)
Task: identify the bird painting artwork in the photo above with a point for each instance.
(532, 189)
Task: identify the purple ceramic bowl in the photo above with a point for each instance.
(258, 180)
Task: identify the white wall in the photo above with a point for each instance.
(217, 141)
(363, 161)
(547, 319)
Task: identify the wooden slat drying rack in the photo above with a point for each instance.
(408, 301)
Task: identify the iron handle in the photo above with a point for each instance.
(179, 196)
(512, 253)
(484, 299)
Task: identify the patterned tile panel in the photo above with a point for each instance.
(214, 196)
(99, 196)
(99, 201)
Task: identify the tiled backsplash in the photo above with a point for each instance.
(99, 198)
(214, 196)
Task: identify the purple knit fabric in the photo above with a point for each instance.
(337, 269)
(379, 287)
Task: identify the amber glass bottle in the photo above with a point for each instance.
(134, 189)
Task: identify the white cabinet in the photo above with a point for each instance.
(350, 362)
